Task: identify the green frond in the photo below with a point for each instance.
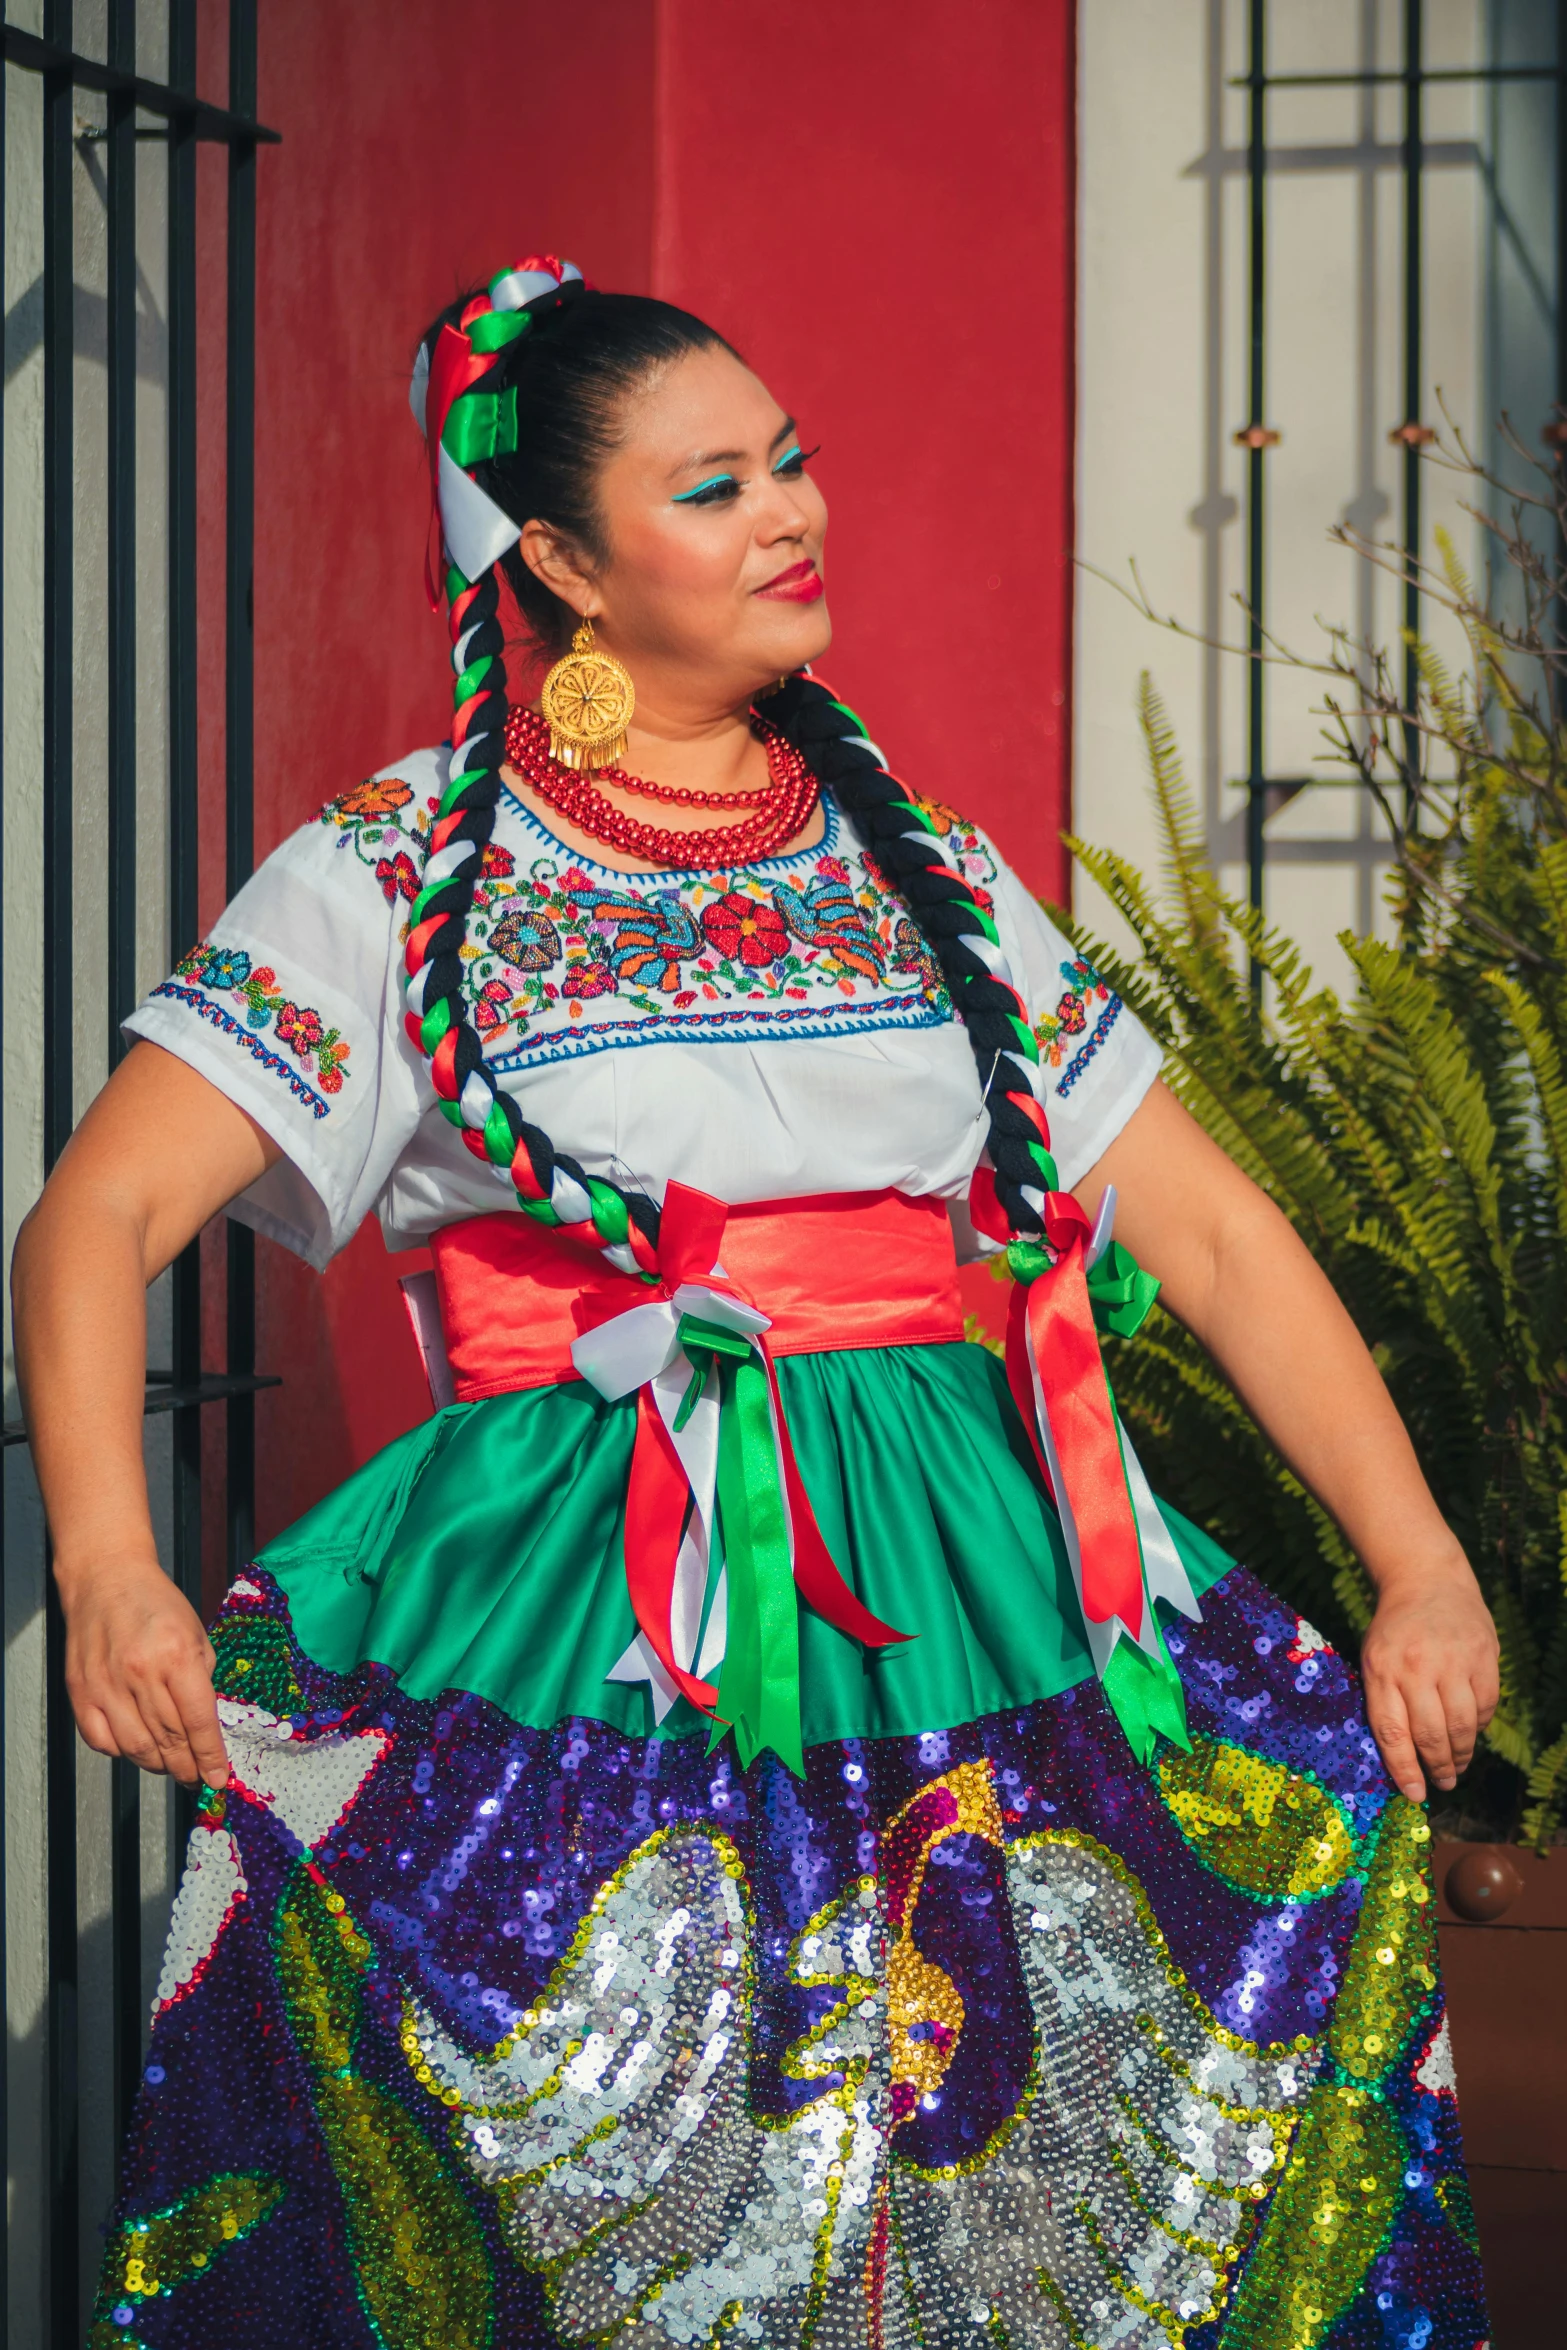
(1414, 1130)
(1185, 857)
(1545, 1061)
(1547, 1796)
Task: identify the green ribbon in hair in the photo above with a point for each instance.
(481, 425)
(759, 1680)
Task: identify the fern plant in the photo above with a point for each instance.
(1415, 1132)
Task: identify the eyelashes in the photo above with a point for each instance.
(720, 488)
(713, 492)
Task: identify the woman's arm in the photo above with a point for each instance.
(1237, 1274)
(155, 1158)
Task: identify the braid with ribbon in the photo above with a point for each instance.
(1072, 1282)
(961, 935)
(551, 1187)
(466, 405)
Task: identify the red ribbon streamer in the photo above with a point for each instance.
(454, 366)
(691, 1234)
(657, 1497)
(1050, 1326)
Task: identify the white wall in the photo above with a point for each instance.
(1163, 386)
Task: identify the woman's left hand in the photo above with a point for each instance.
(1429, 1664)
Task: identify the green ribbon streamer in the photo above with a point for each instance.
(759, 1679)
(480, 425)
(1144, 1692)
(1146, 1697)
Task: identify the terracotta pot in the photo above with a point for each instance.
(1504, 1954)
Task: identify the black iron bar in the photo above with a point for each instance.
(163, 1396)
(184, 803)
(1397, 74)
(5, 1577)
(212, 1387)
(1256, 444)
(1411, 429)
(58, 1098)
(176, 102)
(121, 238)
(125, 1779)
(239, 716)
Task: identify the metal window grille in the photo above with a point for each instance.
(1413, 76)
(100, 130)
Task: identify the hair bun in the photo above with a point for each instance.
(527, 279)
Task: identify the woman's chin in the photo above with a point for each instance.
(803, 636)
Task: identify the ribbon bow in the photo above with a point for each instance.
(1122, 1554)
(713, 1455)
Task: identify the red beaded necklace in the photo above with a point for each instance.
(779, 811)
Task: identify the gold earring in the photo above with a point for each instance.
(587, 699)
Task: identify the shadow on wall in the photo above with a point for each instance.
(309, 1326)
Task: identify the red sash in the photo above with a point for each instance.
(840, 1269)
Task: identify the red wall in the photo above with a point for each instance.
(874, 201)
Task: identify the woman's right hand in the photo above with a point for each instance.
(138, 1667)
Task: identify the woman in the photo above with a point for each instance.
(694, 1837)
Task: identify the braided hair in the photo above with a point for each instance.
(531, 429)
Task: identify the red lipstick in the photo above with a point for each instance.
(800, 584)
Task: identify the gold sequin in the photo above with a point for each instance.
(1391, 1972)
(418, 2252)
(147, 2257)
(1326, 2224)
(1260, 1826)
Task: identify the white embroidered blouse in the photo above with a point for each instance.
(769, 1033)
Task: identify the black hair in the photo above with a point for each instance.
(572, 370)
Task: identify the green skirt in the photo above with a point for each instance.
(483, 1551)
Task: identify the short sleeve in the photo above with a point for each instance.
(1098, 1058)
(291, 1008)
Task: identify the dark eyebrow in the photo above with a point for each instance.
(730, 456)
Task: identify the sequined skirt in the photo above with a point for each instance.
(473, 2036)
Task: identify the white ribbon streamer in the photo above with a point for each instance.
(641, 1348)
(476, 532)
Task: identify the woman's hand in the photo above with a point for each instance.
(1429, 1664)
(138, 1667)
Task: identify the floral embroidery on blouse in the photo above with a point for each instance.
(229, 971)
(378, 795)
(1086, 1009)
(811, 944)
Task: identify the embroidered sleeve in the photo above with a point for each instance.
(291, 1008)
(1098, 1058)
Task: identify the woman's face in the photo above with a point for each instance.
(714, 531)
